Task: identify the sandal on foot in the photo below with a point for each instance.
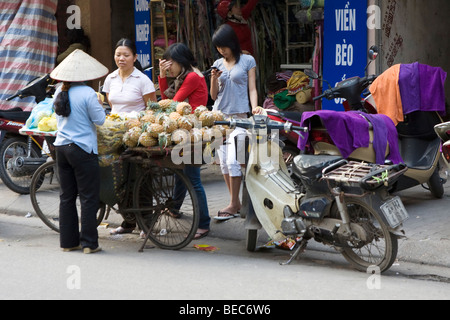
(175, 215)
(121, 230)
(200, 235)
(222, 216)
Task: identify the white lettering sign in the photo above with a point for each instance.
(346, 20)
(141, 5)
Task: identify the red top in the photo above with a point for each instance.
(193, 89)
(243, 30)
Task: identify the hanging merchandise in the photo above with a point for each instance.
(196, 24)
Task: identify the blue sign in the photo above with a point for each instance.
(142, 24)
(345, 44)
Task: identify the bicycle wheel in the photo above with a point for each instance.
(168, 210)
(44, 194)
(15, 174)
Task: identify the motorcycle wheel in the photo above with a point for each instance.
(381, 251)
(435, 184)
(11, 148)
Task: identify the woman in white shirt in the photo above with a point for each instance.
(128, 89)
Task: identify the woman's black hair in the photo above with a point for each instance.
(62, 103)
(226, 37)
(181, 54)
(78, 36)
(124, 42)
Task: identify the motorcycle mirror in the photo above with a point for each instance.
(310, 73)
(373, 53)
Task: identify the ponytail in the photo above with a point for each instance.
(62, 103)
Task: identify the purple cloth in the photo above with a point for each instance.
(350, 131)
(422, 88)
(384, 132)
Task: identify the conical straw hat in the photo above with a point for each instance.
(79, 67)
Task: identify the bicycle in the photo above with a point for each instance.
(141, 186)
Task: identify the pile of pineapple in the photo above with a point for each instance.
(167, 122)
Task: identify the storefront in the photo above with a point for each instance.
(287, 35)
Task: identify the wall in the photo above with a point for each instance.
(416, 30)
(96, 22)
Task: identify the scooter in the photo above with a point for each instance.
(20, 156)
(289, 139)
(443, 132)
(352, 213)
(418, 144)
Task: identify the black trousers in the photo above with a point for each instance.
(79, 174)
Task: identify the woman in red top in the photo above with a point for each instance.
(186, 82)
(236, 16)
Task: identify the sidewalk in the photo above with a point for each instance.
(427, 230)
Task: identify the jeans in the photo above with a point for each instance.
(79, 174)
(193, 174)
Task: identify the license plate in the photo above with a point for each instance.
(395, 212)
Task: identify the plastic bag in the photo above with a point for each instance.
(110, 135)
(41, 110)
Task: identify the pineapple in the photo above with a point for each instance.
(185, 123)
(148, 118)
(168, 105)
(165, 140)
(147, 140)
(161, 118)
(170, 125)
(175, 116)
(180, 135)
(131, 137)
(184, 108)
(153, 106)
(199, 110)
(218, 115)
(207, 119)
(196, 135)
(133, 123)
(155, 129)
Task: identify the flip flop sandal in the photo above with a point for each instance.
(175, 215)
(222, 216)
(200, 235)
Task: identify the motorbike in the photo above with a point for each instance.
(443, 132)
(418, 144)
(289, 139)
(355, 215)
(20, 156)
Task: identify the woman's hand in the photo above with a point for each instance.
(164, 66)
(215, 73)
(258, 110)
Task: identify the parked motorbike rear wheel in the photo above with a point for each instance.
(381, 250)
(436, 185)
(16, 179)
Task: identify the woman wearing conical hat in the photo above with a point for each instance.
(78, 112)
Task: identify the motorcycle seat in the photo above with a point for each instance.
(295, 116)
(311, 166)
(15, 114)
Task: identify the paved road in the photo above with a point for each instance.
(31, 265)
